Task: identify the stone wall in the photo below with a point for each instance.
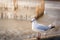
(24, 11)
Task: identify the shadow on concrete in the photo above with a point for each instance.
(52, 38)
(52, 0)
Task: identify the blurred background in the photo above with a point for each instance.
(15, 19)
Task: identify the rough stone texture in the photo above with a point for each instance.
(20, 30)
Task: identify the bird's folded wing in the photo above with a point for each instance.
(42, 27)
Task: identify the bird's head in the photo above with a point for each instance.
(33, 19)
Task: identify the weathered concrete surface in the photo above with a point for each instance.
(20, 30)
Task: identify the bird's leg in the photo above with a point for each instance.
(45, 34)
(39, 36)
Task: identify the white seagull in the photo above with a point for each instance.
(40, 27)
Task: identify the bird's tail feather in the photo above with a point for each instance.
(51, 26)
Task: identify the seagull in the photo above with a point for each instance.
(40, 27)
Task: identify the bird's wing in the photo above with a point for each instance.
(42, 27)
